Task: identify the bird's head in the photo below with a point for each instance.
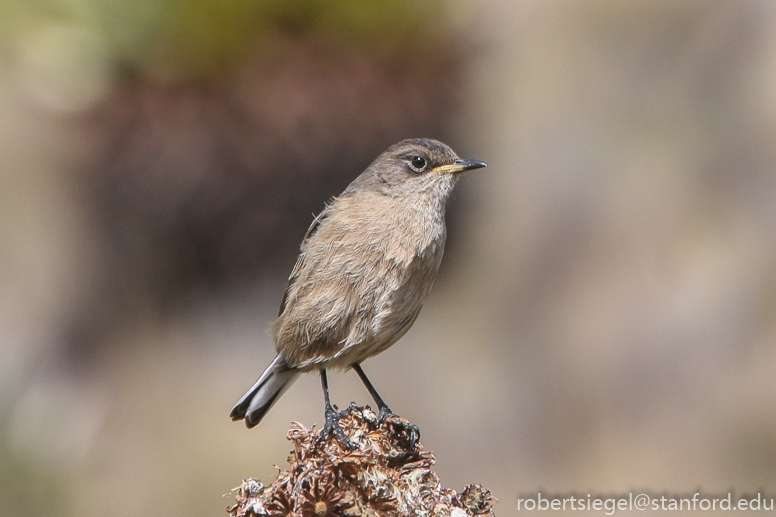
(418, 166)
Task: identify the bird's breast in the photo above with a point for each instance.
(362, 279)
(399, 229)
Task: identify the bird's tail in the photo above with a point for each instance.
(275, 380)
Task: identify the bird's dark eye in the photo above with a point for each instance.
(418, 163)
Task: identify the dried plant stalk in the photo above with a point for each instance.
(384, 475)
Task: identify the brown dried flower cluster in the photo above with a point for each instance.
(384, 475)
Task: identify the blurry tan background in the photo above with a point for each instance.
(605, 318)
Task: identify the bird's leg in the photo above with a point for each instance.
(385, 411)
(332, 417)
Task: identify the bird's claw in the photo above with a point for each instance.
(332, 426)
(385, 413)
(413, 435)
(413, 432)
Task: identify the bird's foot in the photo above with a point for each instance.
(332, 427)
(385, 413)
(410, 431)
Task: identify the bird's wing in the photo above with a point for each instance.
(300, 260)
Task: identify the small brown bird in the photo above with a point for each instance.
(366, 265)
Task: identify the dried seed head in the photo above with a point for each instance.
(386, 474)
(477, 499)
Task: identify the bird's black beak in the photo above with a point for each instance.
(459, 166)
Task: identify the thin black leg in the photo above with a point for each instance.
(385, 411)
(332, 416)
(381, 405)
(325, 386)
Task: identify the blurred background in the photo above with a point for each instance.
(605, 317)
